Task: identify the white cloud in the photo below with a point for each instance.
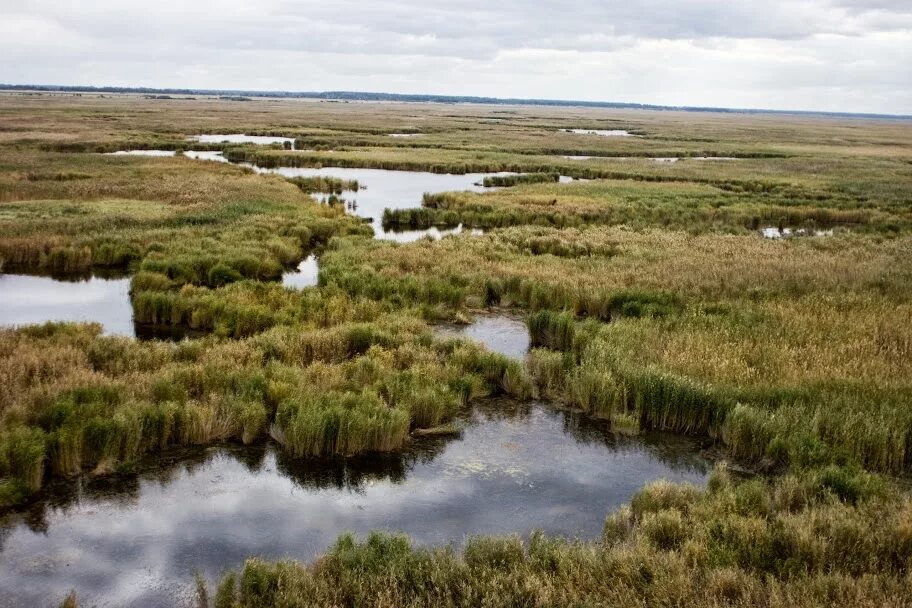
(850, 55)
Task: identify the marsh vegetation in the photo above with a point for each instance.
(645, 300)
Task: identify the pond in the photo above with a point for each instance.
(213, 155)
(26, 299)
(384, 189)
(380, 189)
(407, 236)
(240, 138)
(618, 158)
(659, 159)
(136, 541)
(30, 299)
(305, 275)
(601, 132)
(155, 153)
(773, 232)
(501, 333)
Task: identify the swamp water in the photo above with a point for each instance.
(26, 299)
(136, 541)
(30, 299)
(601, 132)
(380, 188)
(240, 138)
(153, 153)
(305, 275)
(773, 232)
(500, 333)
(214, 155)
(385, 189)
(662, 160)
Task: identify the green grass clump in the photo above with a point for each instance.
(324, 185)
(551, 330)
(22, 456)
(340, 423)
(429, 404)
(524, 178)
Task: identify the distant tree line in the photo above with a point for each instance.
(242, 95)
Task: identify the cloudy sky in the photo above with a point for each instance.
(838, 55)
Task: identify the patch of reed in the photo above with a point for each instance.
(340, 423)
(491, 181)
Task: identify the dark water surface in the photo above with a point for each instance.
(137, 541)
(774, 232)
(154, 153)
(213, 155)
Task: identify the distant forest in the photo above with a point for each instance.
(241, 95)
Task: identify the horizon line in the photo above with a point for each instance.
(432, 98)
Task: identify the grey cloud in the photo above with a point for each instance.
(470, 28)
(472, 46)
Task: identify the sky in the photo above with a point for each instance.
(829, 55)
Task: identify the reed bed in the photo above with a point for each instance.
(504, 181)
(651, 272)
(750, 350)
(73, 400)
(772, 398)
(325, 185)
(689, 206)
(176, 216)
